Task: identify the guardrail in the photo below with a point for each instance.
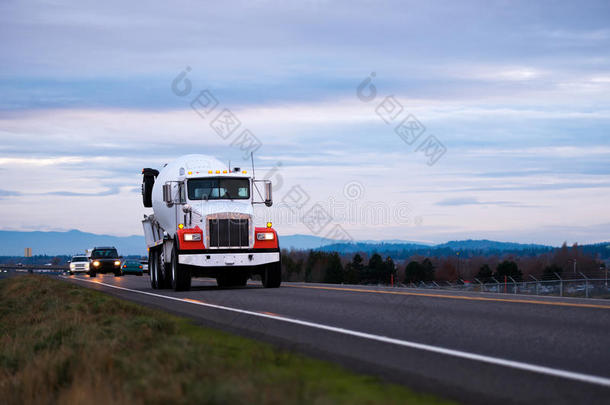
(34, 267)
(583, 287)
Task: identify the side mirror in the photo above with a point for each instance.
(268, 194)
(167, 193)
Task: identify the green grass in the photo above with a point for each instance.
(62, 343)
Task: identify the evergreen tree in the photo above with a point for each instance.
(508, 268)
(374, 270)
(427, 270)
(413, 272)
(389, 270)
(353, 270)
(484, 273)
(334, 270)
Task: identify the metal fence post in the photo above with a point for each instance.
(497, 285)
(482, 285)
(536, 280)
(514, 284)
(560, 285)
(586, 285)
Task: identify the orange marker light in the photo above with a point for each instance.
(210, 172)
(217, 171)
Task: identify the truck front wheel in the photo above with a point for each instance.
(181, 277)
(272, 275)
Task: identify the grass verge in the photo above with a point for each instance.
(62, 343)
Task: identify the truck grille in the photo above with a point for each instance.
(228, 232)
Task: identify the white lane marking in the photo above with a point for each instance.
(587, 378)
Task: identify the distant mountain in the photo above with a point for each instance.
(12, 243)
(484, 244)
(372, 247)
(467, 248)
(306, 242)
(303, 242)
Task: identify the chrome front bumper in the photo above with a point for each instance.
(229, 259)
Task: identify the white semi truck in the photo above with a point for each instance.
(203, 225)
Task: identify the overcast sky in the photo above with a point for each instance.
(517, 93)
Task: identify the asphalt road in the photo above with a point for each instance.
(469, 347)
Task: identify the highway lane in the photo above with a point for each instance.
(561, 347)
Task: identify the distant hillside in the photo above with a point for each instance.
(484, 245)
(466, 248)
(303, 242)
(370, 247)
(12, 243)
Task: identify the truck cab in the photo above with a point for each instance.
(203, 225)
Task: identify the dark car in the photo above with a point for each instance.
(104, 260)
(132, 267)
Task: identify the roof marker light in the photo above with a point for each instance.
(190, 173)
(217, 171)
(224, 172)
(244, 172)
(210, 171)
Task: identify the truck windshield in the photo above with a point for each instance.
(79, 259)
(219, 189)
(104, 254)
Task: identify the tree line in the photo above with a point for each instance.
(359, 268)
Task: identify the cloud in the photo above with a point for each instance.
(109, 191)
(474, 201)
(9, 193)
(517, 95)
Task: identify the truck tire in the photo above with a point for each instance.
(241, 279)
(181, 277)
(163, 271)
(92, 274)
(223, 281)
(272, 275)
(148, 181)
(152, 268)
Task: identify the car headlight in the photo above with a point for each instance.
(96, 263)
(265, 236)
(192, 237)
(72, 266)
(117, 262)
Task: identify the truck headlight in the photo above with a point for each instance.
(117, 262)
(192, 237)
(72, 266)
(96, 263)
(265, 236)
